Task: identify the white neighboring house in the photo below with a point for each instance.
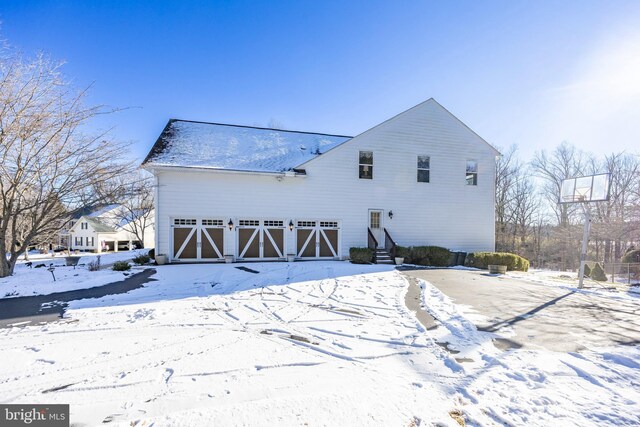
(106, 230)
(420, 178)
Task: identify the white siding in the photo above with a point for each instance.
(444, 212)
(77, 231)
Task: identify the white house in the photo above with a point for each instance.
(108, 229)
(420, 178)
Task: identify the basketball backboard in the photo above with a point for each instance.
(592, 188)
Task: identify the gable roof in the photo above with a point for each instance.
(93, 211)
(428, 102)
(97, 225)
(185, 143)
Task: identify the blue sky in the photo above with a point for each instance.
(533, 73)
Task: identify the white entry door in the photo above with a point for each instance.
(376, 226)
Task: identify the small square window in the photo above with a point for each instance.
(472, 172)
(423, 168)
(365, 165)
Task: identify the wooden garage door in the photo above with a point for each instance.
(317, 239)
(198, 239)
(185, 239)
(212, 239)
(260, 239)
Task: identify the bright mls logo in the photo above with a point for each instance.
(34, 415)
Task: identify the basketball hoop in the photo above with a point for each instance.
(585, 189)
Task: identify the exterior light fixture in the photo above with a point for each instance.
(230, 224)
(291, 225)
(390, 214)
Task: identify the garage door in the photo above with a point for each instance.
(260, 239)
(195, 240)
(317, 239)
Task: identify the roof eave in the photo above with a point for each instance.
(159, 167)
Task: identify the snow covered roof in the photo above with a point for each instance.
(242, 148)
(102, 210)
(97, 225)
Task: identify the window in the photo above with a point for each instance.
(423, 168)
(182, 221)
(249, 223)
(84, 226)
(365, 166)
(90, 241)
(212, 222)
(374, 221)
(274, 223)
(472, 172)
(306, 223)
(78, 241)
(329, 224)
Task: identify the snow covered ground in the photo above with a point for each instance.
(316, 343)
(28, 281)
(569, 280)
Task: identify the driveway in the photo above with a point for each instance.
(46, 308)
(533, 315)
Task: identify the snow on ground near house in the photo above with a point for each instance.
(569, 281)
(316, 343)
(28, 281)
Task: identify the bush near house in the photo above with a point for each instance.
(484, 259)
(141, 259)
(152, 254)
(597, 273)
(587, 270)
(435, 256)
(631, 256)
(121, 266)
(361, 255)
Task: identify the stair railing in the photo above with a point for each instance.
(389, 245)
(372, 244)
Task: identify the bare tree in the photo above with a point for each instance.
(49, 167)
(507, 167)
(564, 162)
(614, 226)
(137, 209)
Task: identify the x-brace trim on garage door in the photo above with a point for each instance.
(317, 239)
(197, 239)
(207, 234)
(258, 239)
(186, 242)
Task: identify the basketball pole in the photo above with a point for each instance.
(585, 242)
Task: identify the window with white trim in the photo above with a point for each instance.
(472, 172)
(306, 223)
(212, 222)
(274, 223)
(84, 226)
(249, 223)
(182, 221)
(424, 167)
(78, 241)
(328, 224)
(90, 241)
(365, 165)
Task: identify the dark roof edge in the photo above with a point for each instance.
(158, 146)
(260, 128)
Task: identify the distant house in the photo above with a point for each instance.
(420, 178)
(105, 229)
